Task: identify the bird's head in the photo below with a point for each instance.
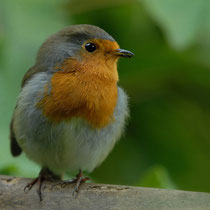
(82, 48)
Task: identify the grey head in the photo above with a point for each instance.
(66, 43)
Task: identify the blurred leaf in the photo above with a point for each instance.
(157, 176)
(9, 170)
(180, 19)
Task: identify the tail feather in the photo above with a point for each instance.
(14, 147)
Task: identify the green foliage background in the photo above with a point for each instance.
(167, 143)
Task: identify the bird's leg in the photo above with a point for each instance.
(44, 174)
(78, 180)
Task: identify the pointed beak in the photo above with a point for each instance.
(123, 53)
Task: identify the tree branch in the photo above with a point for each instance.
(96, 196)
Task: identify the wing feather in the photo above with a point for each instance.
(14, 147)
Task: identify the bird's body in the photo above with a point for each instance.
(70, 111)
(66, 145)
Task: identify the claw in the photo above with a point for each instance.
(30, 184)
(78, 180)
(70, 181)
(44, 174)
(39, 190)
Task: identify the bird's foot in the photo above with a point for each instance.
(78, 180)
(44, 175)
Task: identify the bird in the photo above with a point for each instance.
(70, 111)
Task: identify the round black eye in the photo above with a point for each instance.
(90, 47)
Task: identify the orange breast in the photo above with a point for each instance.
(82, 90)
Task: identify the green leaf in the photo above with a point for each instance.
(157, 176)
(180, 19)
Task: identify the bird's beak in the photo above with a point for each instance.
(123, 53)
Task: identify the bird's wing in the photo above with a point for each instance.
(33, 70)
(14, 147)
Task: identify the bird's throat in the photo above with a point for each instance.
(86, 94)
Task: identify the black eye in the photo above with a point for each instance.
(90, 47)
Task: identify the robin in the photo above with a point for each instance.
(70, 111)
